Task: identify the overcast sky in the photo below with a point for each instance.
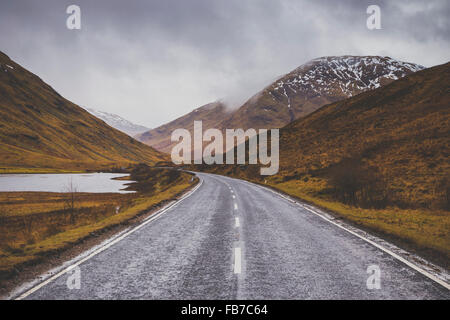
(152, 61)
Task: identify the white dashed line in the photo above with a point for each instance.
(237, 224)
(235, 206)
(234, 197)
(237, 260)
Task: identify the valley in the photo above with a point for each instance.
(298, 93)
(378, 159)
(363, 138)
(42, 131)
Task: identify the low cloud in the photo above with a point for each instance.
(152, 61)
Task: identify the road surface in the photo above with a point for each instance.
(234, 240)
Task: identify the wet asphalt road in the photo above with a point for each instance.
(234, 240)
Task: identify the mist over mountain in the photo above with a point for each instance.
(294, 95)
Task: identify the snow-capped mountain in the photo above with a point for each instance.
(118, 122)
(314, 84)
(302, 91)
(349, 75)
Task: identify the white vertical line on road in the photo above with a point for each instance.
(237, 224)
(235, 206)
(234, 197)
(237, 260)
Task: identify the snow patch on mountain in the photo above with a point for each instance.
(349, 74)
(118, 122)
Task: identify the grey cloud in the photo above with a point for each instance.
(151, 61)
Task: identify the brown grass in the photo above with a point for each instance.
(35, 224)
(422, 229)
(41, 129)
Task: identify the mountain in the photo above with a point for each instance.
(294, 95)
(41, 129)
(118, 122)
(390, 144)
(212, 115)
(314, 84)
(378, 160)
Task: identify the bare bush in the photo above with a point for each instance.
(71, 200)
(442, 192)
(355, 184)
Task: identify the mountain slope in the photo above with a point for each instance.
(296, 94)
(402, 131)
(378, 160)
(212, 115)
(388, 146)
(41, 129)
(314, 84)
(118, 122)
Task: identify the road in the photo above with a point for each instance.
(234, 240)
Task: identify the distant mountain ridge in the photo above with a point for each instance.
(212, 115)
(41, 129)
(312, 85)
(118, 122)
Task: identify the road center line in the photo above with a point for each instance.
(237, 260)
(235, 206)
(234, 197)
(237, 224)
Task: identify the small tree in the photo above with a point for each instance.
(70, 200)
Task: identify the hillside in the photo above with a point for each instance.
(402, 131)
(41, 129)
(319, 82)
(399, 134)
(379, 160)
(118, 122)
(212, 115)
(296, 94)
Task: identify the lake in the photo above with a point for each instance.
(60, 182)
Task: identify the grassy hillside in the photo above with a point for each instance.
(41, 129)
(380, 159)
(397, 136)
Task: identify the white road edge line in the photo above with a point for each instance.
(153, 217)
(237, 224)
(237, 260)
(393, 254)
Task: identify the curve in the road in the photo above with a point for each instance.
(231, 239)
